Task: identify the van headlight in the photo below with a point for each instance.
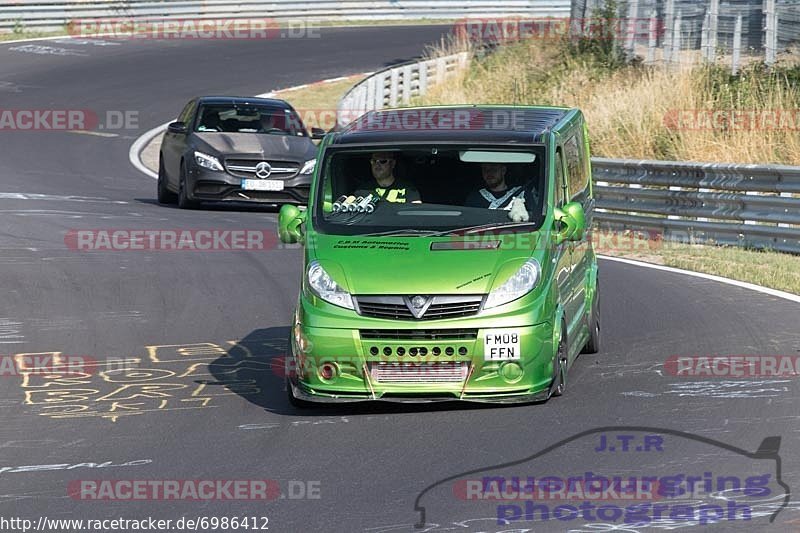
(521, 283)
(323, 286)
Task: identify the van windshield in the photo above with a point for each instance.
(425, 190)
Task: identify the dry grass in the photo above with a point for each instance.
(632, 110)
(316, 103)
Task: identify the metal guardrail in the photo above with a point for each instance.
(743, 205)
(397, 85)
(51, 15)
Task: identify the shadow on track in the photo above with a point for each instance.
(255, 369)
(219, 206)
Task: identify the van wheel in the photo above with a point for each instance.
(560, 371)
(593, 344)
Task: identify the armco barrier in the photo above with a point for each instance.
(50, 15)
(397, 85)
(744, 205)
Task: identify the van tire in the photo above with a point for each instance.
(561, 366)
(593, 344)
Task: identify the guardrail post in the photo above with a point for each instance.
(630, 28)
(652, 38)
(771, 40)
(669, 21)
(370, 91)
(423, 77)
(441, 70)
(737, 46)
(676, 40)
(380, 91)
(713, 29)
(407, 84)
(393, 87)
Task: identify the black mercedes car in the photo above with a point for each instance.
(239, 149)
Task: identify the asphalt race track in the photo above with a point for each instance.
(188, 339)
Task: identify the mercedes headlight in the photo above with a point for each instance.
(323, 286)
(308, 167)
(207, 161)
(521, 283)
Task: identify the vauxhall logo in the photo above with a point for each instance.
(417, 304)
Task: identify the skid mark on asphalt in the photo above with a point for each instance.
(47, 50)
(67, 466)
(10, 331)
(720, 389)
(56, 197)
(85, 42)
(303, 423)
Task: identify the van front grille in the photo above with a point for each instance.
(397, 308)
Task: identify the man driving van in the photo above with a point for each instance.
(388, 187)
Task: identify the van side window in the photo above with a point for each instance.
(560, 184)
(577, 177)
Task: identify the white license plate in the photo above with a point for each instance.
(501, 345)
(262, 185)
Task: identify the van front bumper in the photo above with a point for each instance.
(339, 366)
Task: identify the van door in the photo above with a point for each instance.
(564, 265)
(578, 184)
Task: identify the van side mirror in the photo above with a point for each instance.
(575, 210)
(290, 220)
(570, 223)
(317, 133)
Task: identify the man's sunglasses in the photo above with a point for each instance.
(381, 161)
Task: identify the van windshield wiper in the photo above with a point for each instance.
(484, 227)
(401, 232)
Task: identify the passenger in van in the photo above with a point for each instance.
(387, 187)
(496, 194)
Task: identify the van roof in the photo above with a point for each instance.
(486, 124)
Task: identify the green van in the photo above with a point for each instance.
(446, 258)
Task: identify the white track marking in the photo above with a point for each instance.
(136, 149)
(742, 284)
